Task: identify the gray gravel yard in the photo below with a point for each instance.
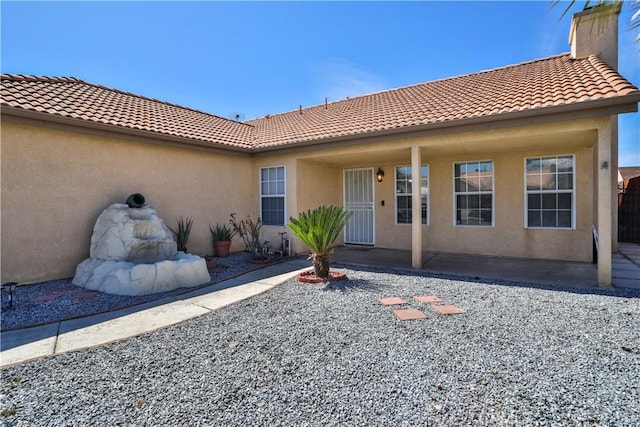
(325, 355)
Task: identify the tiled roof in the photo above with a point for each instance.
(74, 98)
(527, 88)
(554, 81)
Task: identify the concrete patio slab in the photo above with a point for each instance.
(545, 272)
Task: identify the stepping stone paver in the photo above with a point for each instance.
(427, 298)
(392, 301)
(409, 314)
(43, 298)
(65, 289)
(448, 309)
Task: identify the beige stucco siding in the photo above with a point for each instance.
(309, 184)
(55, 184)
(507, 148)
(508, 237)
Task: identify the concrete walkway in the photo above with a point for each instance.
(626, 266)
(77, 334)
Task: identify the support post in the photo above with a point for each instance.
(416, 209)
(604, 198)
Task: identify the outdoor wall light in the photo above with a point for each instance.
(9, 288)
(379, 175)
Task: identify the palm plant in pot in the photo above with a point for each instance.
(318, 229)
(222, 235)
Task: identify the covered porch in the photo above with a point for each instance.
(321, 178)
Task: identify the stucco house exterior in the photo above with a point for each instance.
(518, 161)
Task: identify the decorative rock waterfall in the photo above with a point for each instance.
(133, 253)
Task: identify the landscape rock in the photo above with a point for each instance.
(126, 278)
(133, 253)
(136, 235)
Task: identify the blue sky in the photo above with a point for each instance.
(257, 58)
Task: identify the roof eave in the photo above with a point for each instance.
(587, 109)
(104, 128)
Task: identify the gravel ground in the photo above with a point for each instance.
(331, 355)
(26, 312)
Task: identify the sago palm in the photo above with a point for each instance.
(318, 229)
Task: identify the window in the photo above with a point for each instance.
(550, 192)
(473, 193)
(272, 195)
(403, 194)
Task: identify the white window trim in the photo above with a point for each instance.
(395, 194)
(573, 194)
(284, 196)
(492, 192)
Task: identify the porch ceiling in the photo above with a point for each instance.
(375, 154)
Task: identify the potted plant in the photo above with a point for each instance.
(222, 235)
(318, 229)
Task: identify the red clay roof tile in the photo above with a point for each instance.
(74, 98)
(549, 82)
(531, 86)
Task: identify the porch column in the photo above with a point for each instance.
(604, 225)
(614, 184)
(416, 209)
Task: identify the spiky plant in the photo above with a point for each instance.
(182, 233)
(318, 229)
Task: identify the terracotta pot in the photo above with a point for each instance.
(309, 276)
(222, 247)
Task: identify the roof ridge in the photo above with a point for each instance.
(32, 78)
(504, 67)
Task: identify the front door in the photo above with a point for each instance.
(358, 198)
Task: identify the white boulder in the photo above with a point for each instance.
(126, 278)
(136, 235)
(133, 253)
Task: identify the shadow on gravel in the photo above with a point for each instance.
(353, 285)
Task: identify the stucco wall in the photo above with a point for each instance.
(508, 150)
(55, 184)
(309, 184)
(508, 237)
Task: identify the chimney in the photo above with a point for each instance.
(594, 31)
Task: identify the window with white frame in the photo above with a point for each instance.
(550, 192)
(473, 193)
(403, 194)
(272, 195)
